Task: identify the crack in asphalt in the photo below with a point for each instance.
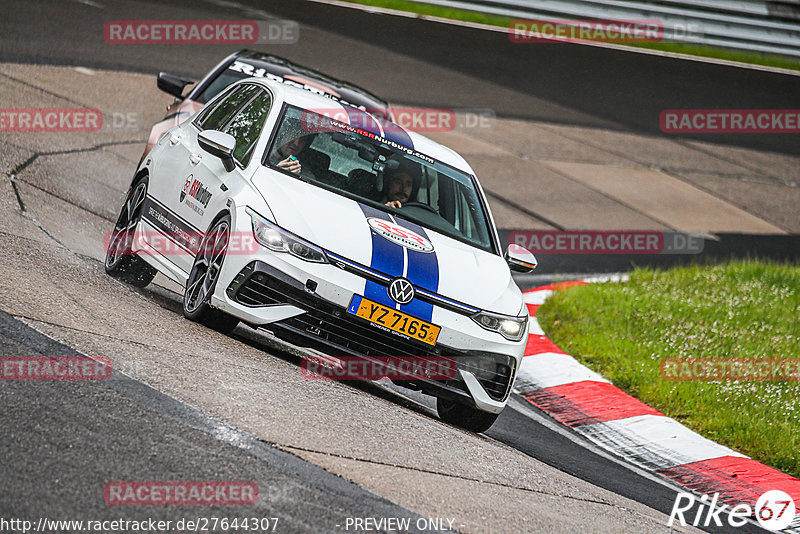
(669, 172)
(82, 331)
(36, 155)
(66, 200)
(45, 91)
(788, 183)
(448, 475)
(25, 213)
(13, 178)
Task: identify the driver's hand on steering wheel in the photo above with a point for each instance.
(394, 204)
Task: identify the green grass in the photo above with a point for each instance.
(431, 10)
(746, 309)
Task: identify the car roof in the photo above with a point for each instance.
(281, 66)
(325, 106)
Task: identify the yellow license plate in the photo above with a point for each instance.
(394, 320)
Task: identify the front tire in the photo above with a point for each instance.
(203, 279)
(463, 416)
(121, 262)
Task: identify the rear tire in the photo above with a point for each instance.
(203, 279)
(463, 416)
(121, 262)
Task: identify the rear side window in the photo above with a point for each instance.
(216, 117)
(226, 78)
(247, 124)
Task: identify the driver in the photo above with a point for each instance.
(400, 186)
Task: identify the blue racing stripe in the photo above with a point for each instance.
(393, 132)
(423, 271)
(387, 257)
(363, 120)
(378, 126)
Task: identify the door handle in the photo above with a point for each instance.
(174, 139)
(194, 159)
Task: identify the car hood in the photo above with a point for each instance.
(365, 235)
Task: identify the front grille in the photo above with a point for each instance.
(260, 285)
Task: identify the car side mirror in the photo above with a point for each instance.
(520, 259)
(171, 84)
(220, 145)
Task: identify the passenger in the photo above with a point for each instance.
(290, 156)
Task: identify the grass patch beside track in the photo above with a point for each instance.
(431, 10)
(743, 309)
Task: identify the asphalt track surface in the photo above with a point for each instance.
(570, 84)
(111, 428)
(64, 441)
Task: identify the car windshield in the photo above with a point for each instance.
(380, 171)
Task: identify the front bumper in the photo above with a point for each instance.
(483, 378)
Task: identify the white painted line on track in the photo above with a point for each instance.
(90, 3)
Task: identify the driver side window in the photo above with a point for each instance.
(246, 126)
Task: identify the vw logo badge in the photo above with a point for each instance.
(401, 291)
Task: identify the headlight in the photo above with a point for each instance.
(511, 328)
(277, 239)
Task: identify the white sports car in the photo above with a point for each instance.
(334, 228)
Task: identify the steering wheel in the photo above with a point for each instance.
(420, 205)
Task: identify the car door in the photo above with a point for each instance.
(189, 181)
(208, 180)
